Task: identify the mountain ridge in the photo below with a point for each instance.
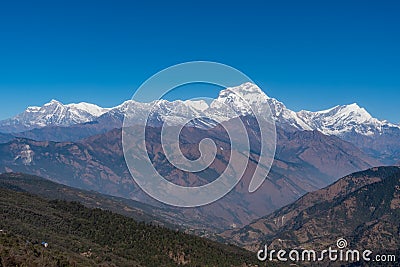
(97, 163)
(338, 120)
(363, 207)
(80, 236)
(352, 123)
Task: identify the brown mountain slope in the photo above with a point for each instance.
(363, 208)
(305, 161)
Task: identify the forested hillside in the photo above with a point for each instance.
(79, 236)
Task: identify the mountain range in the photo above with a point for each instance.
(53, 121)
(80, 145)
(97, 163)
(299, 204)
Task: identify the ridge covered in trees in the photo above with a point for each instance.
(79, 236)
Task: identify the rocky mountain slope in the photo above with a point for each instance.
(97, 163)
(363, 208)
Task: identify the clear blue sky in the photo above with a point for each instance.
(309, 54)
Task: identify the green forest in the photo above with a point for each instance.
(80, 236)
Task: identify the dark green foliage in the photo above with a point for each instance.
(91, 199)
(95, 237)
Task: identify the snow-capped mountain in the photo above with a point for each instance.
(351, 123)
(159, 111)
(53, 113)
(248, 98)
(339, 120)
(344, 119)
(243, 100)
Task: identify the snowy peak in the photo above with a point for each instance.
(53, 113)
(344, 119)
(339, 120)
(247, 90)
(245, 99)
(255, 98)
(285, 117)
(52, 103)
(251, 93)
(91, 109)
(199, 105)
(88, 108)
(32, 109)
(352, 110)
